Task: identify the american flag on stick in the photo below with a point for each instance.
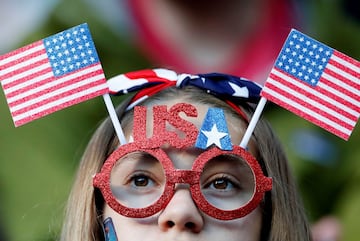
(317, 83)
(51, 74)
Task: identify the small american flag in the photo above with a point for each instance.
(51, 74)
(317, 83)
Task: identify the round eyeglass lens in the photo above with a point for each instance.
(227, 182)
(137, 180)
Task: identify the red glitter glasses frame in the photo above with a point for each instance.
(173, 176)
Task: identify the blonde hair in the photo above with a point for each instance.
(283, 215)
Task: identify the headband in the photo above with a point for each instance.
(233, 90)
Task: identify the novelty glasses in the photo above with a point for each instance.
(139, 182)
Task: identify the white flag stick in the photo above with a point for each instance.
(114, 119)
(259, 108)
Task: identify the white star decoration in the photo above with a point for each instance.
(239, 91)
(214, 136)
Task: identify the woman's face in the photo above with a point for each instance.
(181, 219)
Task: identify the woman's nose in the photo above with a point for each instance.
(181, 214)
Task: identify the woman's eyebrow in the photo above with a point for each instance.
(136, 156)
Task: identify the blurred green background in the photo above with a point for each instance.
(38, 160)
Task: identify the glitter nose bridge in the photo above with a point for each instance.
(184, 176)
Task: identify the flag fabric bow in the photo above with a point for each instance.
(151, 81)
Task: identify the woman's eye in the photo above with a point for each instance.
(140, 181)
(222, 183)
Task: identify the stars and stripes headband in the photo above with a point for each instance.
(234, 90)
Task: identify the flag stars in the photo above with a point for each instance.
(72, 48)
(303, 57)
